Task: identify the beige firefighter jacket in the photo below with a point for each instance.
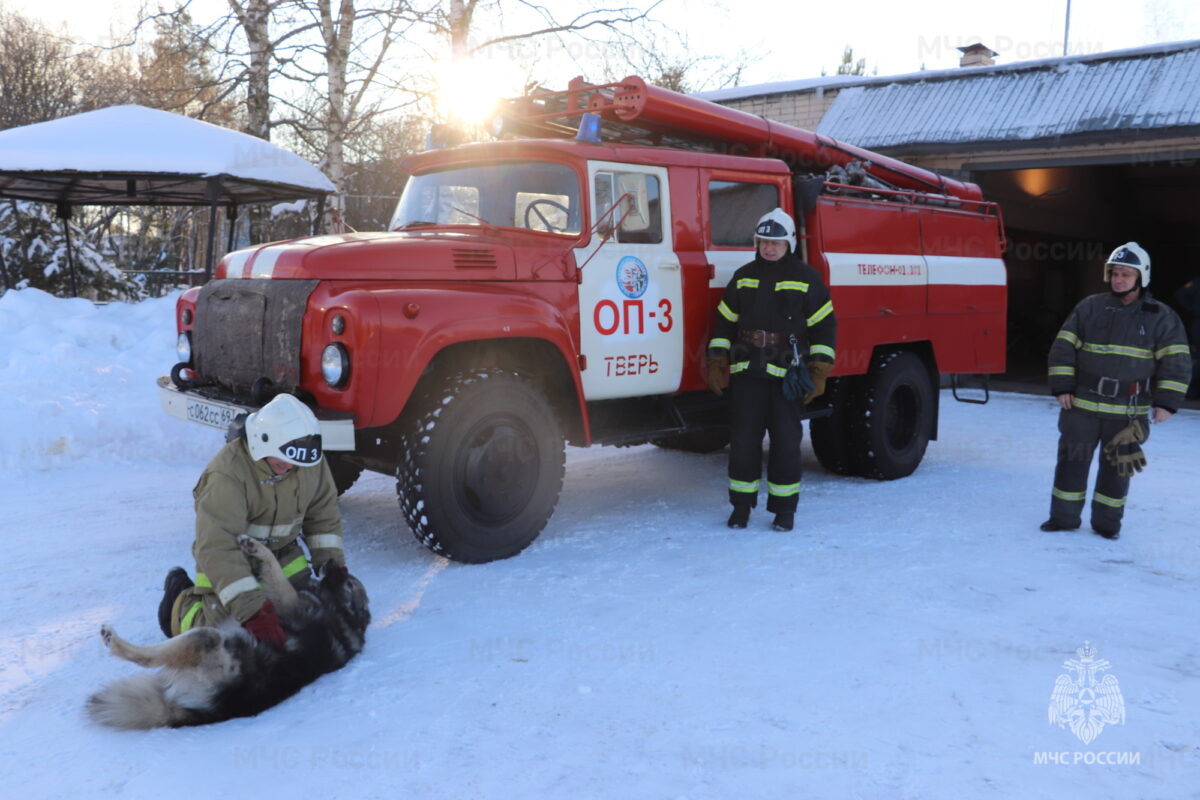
(237, 495)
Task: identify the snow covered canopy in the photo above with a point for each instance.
(132, 155)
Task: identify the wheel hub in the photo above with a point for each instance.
(497, 470)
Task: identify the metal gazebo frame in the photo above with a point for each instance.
(66, 189)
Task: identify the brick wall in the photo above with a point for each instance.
(800, 109)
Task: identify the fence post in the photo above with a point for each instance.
(212, 193)
(64, 213)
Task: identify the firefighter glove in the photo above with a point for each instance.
(1124, 452)
(716, 373)
(265, 626)
(1128, 459)
(820, 371)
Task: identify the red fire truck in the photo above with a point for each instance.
(557, 285)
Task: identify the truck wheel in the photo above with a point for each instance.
(831, 435)
(694, 441)
(344, 472)
(892, 417)
(482, 466)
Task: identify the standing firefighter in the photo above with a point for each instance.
(271, 484)
(775, 314)
(1121, 356)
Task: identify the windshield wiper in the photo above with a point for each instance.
(415, 223)
(482, 221)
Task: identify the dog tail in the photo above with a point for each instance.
(137, 703)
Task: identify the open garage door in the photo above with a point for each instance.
(1064, 219)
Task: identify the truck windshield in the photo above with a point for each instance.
(535, 195)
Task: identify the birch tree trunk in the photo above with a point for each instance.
(337, 34)
(254, 16)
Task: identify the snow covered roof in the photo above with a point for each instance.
(1139, 89)
(782, 87)
(136, 155)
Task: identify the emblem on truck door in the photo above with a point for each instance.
(632, 277)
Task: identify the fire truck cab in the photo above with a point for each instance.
(557, 285)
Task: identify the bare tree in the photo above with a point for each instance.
(667, 58)
(325, 70)
(457, 22)
(348, 57)
(37, 75)
(176, 72)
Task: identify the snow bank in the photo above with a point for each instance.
(904, 642)
(77, 382)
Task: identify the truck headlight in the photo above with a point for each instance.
(335, 364)
(183, 347)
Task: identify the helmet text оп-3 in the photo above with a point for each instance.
(286, 429)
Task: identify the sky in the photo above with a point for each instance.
(799, 40)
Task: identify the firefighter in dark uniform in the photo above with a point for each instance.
(774, 310)
(1120, 357)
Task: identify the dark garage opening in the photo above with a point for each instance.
(1063, 221)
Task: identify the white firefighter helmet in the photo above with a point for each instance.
(1129, 254)
(286, 429)
(777, 225)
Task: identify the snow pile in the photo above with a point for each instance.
(77, 382)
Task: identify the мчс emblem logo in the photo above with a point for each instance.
(632, 277)
(1084, 701)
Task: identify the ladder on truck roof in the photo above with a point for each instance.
(634, 112)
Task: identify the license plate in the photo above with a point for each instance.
(211, 414)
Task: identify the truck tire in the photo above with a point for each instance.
(891, 419)
(344, 473)
(831, 435)
(482, 466)
(694, 441)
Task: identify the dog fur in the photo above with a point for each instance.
(212, 674)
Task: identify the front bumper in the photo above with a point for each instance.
(214, 408)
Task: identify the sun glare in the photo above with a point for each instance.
(468, 91)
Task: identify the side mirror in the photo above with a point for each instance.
(605, 198)
(634, 192)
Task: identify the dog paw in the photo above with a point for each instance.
(248, 544)
(106, 635)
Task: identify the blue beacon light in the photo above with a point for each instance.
(589, 129)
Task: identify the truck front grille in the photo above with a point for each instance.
(249, 329)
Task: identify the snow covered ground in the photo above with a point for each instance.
(902, 643)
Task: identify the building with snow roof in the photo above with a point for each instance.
(1082, 152)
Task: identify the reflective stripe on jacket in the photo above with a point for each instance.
(1118, 359)
(238, 495)
(784, 296)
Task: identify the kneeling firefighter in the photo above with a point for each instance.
(774, 329)
(272, 483)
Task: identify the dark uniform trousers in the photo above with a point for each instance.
(1079, 434)
(757, 406)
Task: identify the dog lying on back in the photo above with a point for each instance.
(213, 674)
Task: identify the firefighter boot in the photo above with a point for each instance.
(784, 521)
(740, 517)
(1054, 525)
(177, 581)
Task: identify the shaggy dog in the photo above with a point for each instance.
(213, 674)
